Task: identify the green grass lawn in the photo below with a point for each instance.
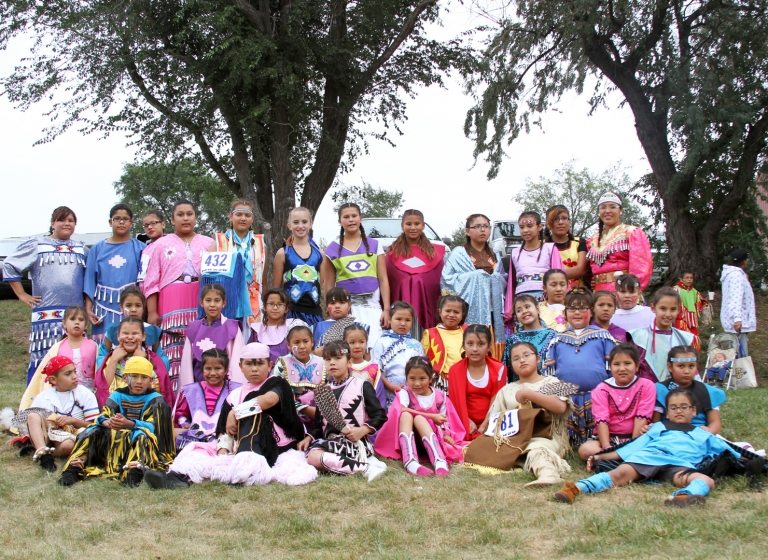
(468, 515)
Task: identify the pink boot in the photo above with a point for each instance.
(410, 459)
(435, 453)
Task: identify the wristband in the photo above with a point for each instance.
(247, 408)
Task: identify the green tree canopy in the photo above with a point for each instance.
(374, 202)
(694, 74)
(157, 186)
(579, 190)
(273, 97)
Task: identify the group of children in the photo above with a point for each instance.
(286, 400)
(265, 389)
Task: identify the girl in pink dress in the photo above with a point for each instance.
(414, 266)
(617, 248)
(528, 264)
(418, 408)
(622, 405)
(172, 281)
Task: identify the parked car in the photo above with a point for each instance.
(505, 234)
(8, 246)
(386, 230)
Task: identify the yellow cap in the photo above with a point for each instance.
(138, 366)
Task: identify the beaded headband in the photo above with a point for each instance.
(609, 197)
(687, 360)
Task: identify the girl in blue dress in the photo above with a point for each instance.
(112, 265)
(580, 356)
(297, 268)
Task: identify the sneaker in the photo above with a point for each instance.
(567, 494)
(159, 480)
(133, 477)
(70, 476)
(47, 463)
(684, 500)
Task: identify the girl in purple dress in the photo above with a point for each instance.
(198, 405)
(212, 331)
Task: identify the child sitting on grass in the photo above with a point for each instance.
(668, 451)
(683, 368)
(58, 413)
(133, 432)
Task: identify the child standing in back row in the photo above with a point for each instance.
(528, 264)
(297, 268)
(357, 264)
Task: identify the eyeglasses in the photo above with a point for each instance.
(577, 308)
(274, 305)
(480, 227)
(148, 225)
(522, 357)
(679, 407)
(122, 219)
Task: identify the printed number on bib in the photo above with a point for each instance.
(508, 424)
(216, 263)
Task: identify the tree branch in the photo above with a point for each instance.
(192, 127)
(405, 31)
(653, 36)
(258, 18)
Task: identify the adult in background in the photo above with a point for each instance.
(56, 265)
(573, 250)
(414, 267)
(471, 273)
(617, 248)
(112, 264)
(737, 312)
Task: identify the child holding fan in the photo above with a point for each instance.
(349, 413)
(579, 356)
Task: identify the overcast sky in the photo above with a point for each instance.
(431, 163)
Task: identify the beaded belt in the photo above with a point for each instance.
(607, 277)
